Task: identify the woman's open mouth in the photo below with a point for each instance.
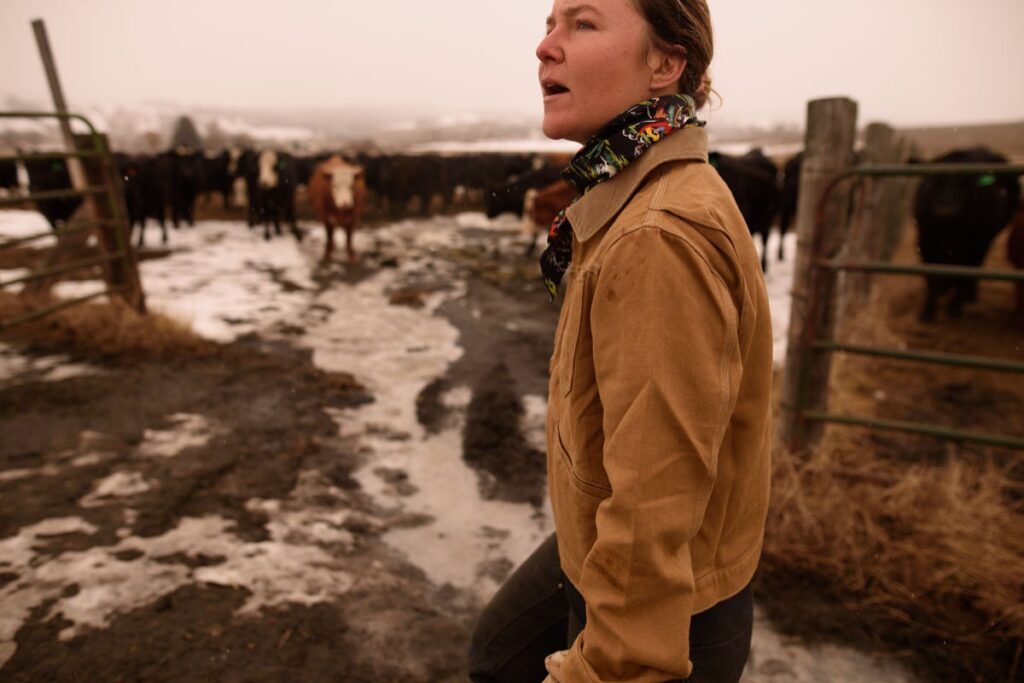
(553, 88)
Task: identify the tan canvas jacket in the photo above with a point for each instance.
(659, 412)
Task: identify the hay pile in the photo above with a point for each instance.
(922, 541)
(932, 557)
(109, 330)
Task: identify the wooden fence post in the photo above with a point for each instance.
(831, 130)
(114, 235)
(898, 202)
(873, 217)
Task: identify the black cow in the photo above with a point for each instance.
(790, 192)
(477, 174)
(392, 180)
(428, 178)
(304, 166)
(144, 193)
(958, 217)
(753, 180)
(184, 167)
(249, 168)
(8, 175)
(272, 195)
(48, 175)
(220, 172)
(508, 196)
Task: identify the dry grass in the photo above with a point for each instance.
(923, 538)
(100, 329)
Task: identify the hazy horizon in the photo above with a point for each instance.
(910, 62)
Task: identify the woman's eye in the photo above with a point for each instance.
(584, 25)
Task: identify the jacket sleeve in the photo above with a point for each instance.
(665, 344)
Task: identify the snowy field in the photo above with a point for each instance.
(227, 282)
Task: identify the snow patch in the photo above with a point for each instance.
(117, 485)
(17, 368)
(300, 563)
(775, 658)
(189, 431)
(221, 279)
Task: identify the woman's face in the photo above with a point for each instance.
(592, 66)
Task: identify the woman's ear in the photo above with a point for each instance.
(667, 68)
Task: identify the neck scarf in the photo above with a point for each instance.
(611, 149)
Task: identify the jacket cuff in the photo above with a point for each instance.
(575, 668)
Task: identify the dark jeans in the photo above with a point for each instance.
(538, 612)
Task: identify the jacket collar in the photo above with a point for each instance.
(602, 204)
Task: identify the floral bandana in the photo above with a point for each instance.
(621, 141)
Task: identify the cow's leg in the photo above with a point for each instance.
(962, 293)
(293, 222)
(764, 250)
(782, 239)
(277, 220)
(532, 246)
(971, 289)
(352, 258)
(329, 246)
(931, 300)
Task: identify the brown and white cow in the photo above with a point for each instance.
(337, 192)
(540, 206)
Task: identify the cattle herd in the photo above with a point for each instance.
(957, 217)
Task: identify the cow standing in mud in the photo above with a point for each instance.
(143, 193)
(51, 175)
(221, 173)
(337, 193)
(958, 217)
(8, 175)
(276, 182)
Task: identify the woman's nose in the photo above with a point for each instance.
(550, 49)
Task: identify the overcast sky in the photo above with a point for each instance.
(904, 61)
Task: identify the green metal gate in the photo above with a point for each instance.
(824, 271)
(110, 224)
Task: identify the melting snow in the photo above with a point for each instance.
(777, 659)
(299, 564)
(16, 368)
(189, 431)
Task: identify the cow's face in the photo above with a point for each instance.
(268, 169)
(343, 180)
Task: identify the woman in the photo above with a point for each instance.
(659, 397)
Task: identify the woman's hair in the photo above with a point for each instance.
(686, 24)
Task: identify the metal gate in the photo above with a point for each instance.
(109, 224)
(814, 340)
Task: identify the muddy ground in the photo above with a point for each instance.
(331, 492)
(260, 409)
